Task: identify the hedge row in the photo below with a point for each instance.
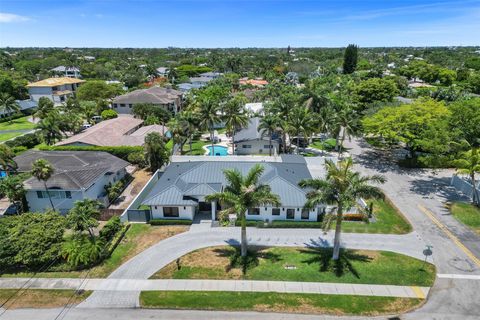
(28, 141)
(281, 224)
(121, 151)
(168, 222)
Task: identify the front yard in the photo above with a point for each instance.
(138, 238)
(277, 302)
(302, 264)
(40, 298)
(17, 124)
(468, 214)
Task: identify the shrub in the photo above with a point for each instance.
(168, 222)
(110, 229)
(137, 158)
(353, 217)
(83, 251)
(295, 224)
(249, 223)
(114, 190)
(28, 141)
(19, 150)
(109, 114)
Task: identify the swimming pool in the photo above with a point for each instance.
(219, 150)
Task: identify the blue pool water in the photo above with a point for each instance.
(219, 150)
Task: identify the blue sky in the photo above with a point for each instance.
(236, 23)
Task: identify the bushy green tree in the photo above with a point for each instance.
(109, 114)
(84, 216)
(155, 151)
(375, 89)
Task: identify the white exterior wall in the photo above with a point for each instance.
(127, 108)
(258, 147)
(63, 205)
(37, 92)
(36, 204)
(186, 213)
(267, 215)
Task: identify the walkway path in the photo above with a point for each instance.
(218, 285)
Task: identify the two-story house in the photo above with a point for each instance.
(56, 89)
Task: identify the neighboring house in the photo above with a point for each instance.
(250, 141)
(253, 82)
(71, 72)
(254, 107)
(180, 191)
(56, 89)
(167, 98)
(185, 87)
(23, 104)
(199, 82)
(78, 175)
(211, 75)
(122, 131)
(163, 71)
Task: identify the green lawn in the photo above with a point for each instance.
(467, 214)
(276, 302)
(312, 265)
(17, 124)
(388, 220)
(138, 238)
(197, 148)
(327, 145)
(10, 135)
(40, 298)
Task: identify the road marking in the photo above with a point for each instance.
(458, 276)
(418, 292)
(450, 235)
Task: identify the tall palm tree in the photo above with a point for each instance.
(7, 163)
(176, 126)
(44, 107)
(242, 193)
(269, 125)
(469, 164)
(43, 170)
(8, 104)
(191, 124)
(210, 112)
(301, 123)
(235, 116)
(155, 151)
(346, 125)
(341, 188)
(49, 128)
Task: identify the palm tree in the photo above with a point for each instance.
(8, 105)
(210, 116)
(469, 164)
(235, 116)
(44, 107)
(191, 124)
(155, 151)
(7, 163)
(301, 123)
(346, 125)
(341, 188)
(43, 170)
(84, 216)
(49, 128)
(269, 125)
(176, 126)
(242, 193)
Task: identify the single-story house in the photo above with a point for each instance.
(122, 131)
(77, 175)
(167, 98)
(251, 140)
(200, 81)
(24, 106)
(180, 191)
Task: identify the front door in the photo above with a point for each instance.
(205, 206)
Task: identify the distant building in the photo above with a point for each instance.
(163, 71)
(58, 90)
(211, 75)
(89, 58)
(254, 107)
(78, 175)
(253, 82)
(200, 81)
(71, 72)
(167, 98)
(250, 141)
(122, 131)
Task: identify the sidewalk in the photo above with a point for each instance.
(217, 285)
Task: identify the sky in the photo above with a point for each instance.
(237, 23)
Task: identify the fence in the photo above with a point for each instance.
(464, 186)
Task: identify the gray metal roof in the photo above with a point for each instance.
(182, 181)
(74, 170)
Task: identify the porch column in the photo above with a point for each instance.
(214, 209)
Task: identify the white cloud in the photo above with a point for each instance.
(11, 18)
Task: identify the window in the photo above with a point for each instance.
(275, 211)
(54, 194)
(254, 211)
(130, 106)
(267, 146)
(290, 213)
(246, 146)
(305, 213)
(115, 105)
(171, 212)
(68, 195)
(122, 105)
